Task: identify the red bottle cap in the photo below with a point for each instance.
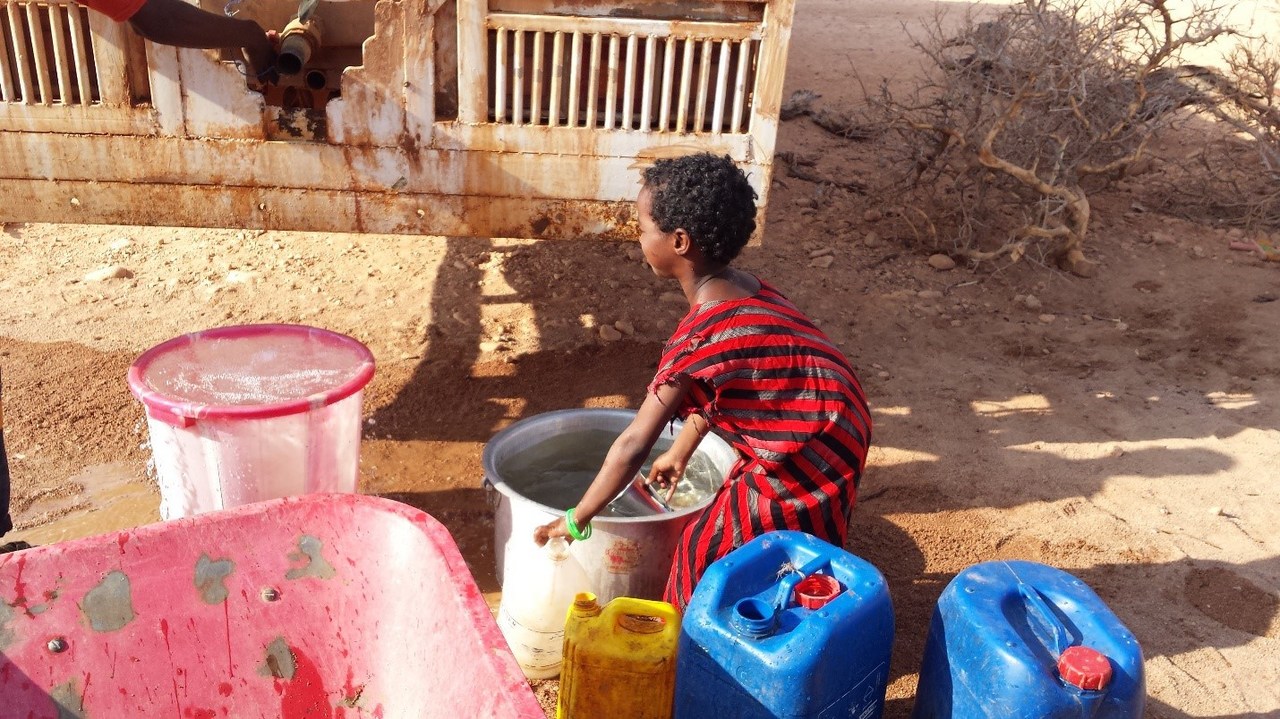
(815, 590)
(1085, 668)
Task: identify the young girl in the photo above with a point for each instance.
(744, 363)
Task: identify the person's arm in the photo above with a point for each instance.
(669, 467)
(625, 457)
(177, 23)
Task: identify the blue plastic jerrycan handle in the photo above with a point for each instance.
(1058, 634)
(786, 588)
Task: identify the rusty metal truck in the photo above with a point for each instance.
(509, 118)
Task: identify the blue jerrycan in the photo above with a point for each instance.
(786, 625)
(1020, 639)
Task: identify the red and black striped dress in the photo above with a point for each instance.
(772, 384)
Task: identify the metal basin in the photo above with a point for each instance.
(625, 556)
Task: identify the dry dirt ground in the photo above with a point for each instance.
(1126, 429)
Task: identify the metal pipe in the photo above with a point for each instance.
(80, 51)
(704, 82)
(317, 79)
(575, 77)
(298, 41)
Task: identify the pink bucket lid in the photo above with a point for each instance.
(248, 372)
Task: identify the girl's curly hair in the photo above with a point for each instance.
(706, 196)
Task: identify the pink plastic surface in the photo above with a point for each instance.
(248, 372)
(326, 606)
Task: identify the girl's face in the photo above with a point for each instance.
(654, 243)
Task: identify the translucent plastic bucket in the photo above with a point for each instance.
(249, 413)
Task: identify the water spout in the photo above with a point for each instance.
(298, 41)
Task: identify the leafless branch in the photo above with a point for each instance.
(1019, 107)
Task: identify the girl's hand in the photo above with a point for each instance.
(558, 528)
(667, 470)
(260, 55)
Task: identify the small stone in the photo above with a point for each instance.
(1031, 302)
(75, 202)
(490, 347)
(1215, 511)
(609, 333)
(634, 253)
(1087, 318)
(872, 239)
(805, 202)
(239, 277)
(820, 252)
(872, 216)
(929, 295)
(1198, 251)
(625, 327)
(883, 375)
(1162, 238)
(956, 323)
(120, 243)
(673, 297)
(1122, 326)
(1047, 318)
(941, 262)
(1235, 233)
(823, 262)
(110, 272)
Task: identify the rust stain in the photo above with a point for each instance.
(314, 564)
(279, 662)
(41, 608)
(69, 700)
(211, 578)
(109, 606)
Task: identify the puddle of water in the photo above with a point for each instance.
(116, 496)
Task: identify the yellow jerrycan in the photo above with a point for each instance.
(619, 660)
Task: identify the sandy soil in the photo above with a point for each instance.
(1126, 429)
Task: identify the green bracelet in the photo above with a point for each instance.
(572, 526)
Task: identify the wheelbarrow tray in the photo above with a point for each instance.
(330, 606)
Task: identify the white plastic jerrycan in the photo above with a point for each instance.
(538, 588)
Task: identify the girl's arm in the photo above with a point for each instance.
(177, 23)
(625, 457)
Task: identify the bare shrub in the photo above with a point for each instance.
(1233, 177)
(1243, 190)
(1021, 115)
(1250, 103)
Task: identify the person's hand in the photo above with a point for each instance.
(260, 55)
(558, 528)
(666, 472)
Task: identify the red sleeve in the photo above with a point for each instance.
(118, 10)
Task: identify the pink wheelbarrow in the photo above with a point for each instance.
(328, 606)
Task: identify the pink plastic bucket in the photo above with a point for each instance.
(249, 413)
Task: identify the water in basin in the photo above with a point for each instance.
(556, 471)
